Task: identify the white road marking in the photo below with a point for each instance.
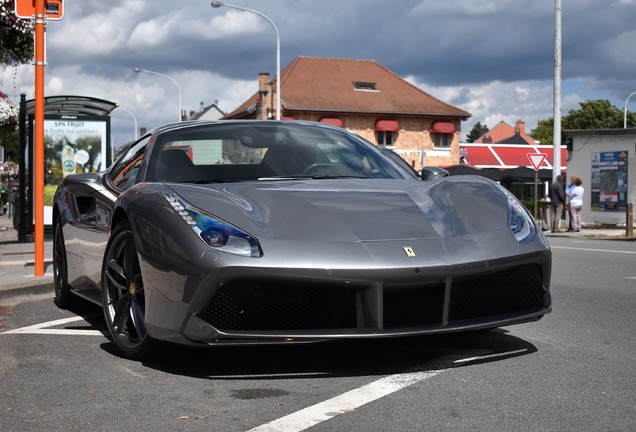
(346, 402)
(351, 400)
(593, 250)
(44, 328)
(484, 357)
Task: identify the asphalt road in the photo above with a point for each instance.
(572, 371)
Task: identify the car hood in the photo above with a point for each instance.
(354, 210)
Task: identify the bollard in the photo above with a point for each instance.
(629, 220)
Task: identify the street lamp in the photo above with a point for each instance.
(625, 110)
(218, 4)
(134, 119)
(138, 70)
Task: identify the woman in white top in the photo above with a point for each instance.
(576, 203)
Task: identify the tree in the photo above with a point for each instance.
(477, 131)
(16, 35)
(544, 132)
(592, 114)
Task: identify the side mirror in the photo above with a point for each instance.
(433, 173)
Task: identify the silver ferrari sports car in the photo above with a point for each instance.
(243, 232)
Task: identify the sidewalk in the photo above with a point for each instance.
(17, 264)
(17, 268)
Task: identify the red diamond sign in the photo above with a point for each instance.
(536, 159)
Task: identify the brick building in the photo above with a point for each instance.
(367, 99)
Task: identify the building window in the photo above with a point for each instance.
(442, 139)
(365, 86)
(384, 138)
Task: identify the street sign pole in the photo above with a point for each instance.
(40, 48)
(536, 159)
(536, 182)
(39, 11)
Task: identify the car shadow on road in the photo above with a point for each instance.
(329, 359)
(340, 359)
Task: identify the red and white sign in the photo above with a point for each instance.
(536, 159)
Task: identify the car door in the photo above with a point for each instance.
(96, 208)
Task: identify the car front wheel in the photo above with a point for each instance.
(123, 297)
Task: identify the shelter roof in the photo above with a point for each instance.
(74, 105)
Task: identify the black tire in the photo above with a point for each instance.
(64, 298)
(123, 298)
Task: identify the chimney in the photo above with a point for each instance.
(487, 139)
(520, 127)
(142, 131)
(264, 96)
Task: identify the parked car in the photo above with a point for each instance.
(230, 232)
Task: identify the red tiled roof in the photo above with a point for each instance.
(327, 85)
(503, 133)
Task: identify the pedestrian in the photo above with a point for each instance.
(576, 203)
(568, 190)
(557, 201)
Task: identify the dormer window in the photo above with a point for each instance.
(365, 86)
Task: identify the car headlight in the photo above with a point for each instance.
(215, 232)
(519, 219)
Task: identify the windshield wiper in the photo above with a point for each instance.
(202, 181)
(310, 177)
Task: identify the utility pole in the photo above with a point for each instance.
(556, 115)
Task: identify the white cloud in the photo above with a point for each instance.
(492, 58)
(155, 32)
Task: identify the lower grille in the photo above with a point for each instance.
(499, 293)
(245, 305)
(308, 305)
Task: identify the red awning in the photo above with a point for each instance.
(335, 121)
(443, 127)
(510, 156)
(387, 126)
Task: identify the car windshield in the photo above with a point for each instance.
(240, 151)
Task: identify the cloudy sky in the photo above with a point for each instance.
(493, 58)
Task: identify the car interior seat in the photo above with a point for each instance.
(175, 166)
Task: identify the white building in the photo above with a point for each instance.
(605, 161)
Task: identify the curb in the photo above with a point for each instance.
(28, 288)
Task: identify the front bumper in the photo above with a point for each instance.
(288, 310)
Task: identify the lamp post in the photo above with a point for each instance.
(625, 110)
(218, 4)
(134, 119)
(556, 154)
(138, 70)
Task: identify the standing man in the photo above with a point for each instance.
(557, 201)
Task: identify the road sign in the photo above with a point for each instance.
(536, 159)
(25, 9)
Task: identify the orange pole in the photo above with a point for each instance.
(40, 49)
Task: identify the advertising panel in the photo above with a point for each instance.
(72, 145)
(609, 181)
